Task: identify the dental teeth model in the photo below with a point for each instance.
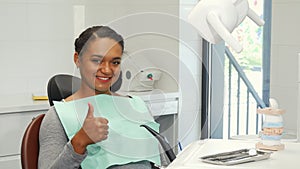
(272, 127)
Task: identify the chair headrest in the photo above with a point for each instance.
(61, 86)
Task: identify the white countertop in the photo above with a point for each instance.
(189, 157)
(154, 95)
(24, 102)
(21, 103)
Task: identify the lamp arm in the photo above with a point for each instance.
(214, 21)
(255, 18)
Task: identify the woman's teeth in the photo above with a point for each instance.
(103, 78)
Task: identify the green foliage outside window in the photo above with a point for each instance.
(250, 35)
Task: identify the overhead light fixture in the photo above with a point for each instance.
(216, 19)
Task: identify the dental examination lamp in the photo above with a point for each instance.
(216, 19)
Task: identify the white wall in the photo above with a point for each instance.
(285, 46)
(32, 39)
(37, 36)
(190, 52)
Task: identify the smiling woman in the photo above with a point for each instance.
(98, 53)
(98, 59)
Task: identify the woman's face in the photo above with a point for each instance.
(100, 65)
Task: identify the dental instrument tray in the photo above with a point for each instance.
(236, 157)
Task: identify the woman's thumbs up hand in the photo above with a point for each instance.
(94, 129)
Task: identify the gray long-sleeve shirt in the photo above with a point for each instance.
(56, 152)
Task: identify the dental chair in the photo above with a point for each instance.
(59, 87)
(30, 144)
(62, 86)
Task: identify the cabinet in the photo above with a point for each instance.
(16, 112)
(15, 115)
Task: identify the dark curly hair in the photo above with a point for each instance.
(94, 32)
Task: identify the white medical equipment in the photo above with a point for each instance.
(216, 19)
(138, 74)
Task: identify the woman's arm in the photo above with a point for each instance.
(56, 151)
